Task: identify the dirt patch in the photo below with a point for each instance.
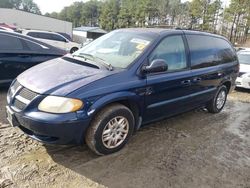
(195, 149)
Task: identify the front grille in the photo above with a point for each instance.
(20, 97)
(19, 105)
(27, 94)
(238, 83)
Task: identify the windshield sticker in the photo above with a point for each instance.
(140, 46)
(140, 41)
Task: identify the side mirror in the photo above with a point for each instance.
(158, 65)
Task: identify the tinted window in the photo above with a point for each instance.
(8, 42)
(40, 35)
(32, 34)
(202, 50)
(57, 38)
(172, 50)
(209, 51)
(35, 46)
(225, 52)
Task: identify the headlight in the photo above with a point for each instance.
(60, 105)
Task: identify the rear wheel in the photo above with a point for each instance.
(219, 100)
(110, 130)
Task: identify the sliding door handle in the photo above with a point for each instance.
(186, 82)
(197, 80)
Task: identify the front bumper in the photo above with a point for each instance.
(243, 82)
(51, 128)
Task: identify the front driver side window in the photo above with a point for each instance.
(172, 50)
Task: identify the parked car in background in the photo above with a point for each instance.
(54, 39)
(243, 80)
(101, 96)
(19, 52)
(88, 40)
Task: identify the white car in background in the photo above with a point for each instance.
(54, 39)
(243, 79)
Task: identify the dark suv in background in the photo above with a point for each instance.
(18, 53)
(127, 78)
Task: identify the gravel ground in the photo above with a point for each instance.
(195, 149)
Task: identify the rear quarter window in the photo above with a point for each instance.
(225, 52)
(209, 51)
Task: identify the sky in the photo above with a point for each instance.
(53, 5)
(57, 5)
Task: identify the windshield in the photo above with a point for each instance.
(244, 58)
(118, 48)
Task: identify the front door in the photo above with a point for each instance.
(170, 91)
(12, 57)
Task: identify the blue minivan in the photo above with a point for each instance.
(105, 91)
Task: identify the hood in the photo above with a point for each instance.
(60, 76)
(245, 68)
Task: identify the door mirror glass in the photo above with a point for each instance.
(158, 65)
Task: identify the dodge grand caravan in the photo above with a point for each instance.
(127, 78)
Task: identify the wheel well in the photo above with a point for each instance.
(228, 85)
(133, 107)
(73, 48)
(129, 104)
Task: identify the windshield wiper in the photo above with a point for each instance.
(105, 63)
(85, 56)
(94, 58)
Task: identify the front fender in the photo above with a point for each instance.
(116, 97)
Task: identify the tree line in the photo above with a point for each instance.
(25, 5)
(232, 21)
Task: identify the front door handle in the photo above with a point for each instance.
(186, 82)
(197, 80)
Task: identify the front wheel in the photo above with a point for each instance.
(219, 100)
(110, 130)
(74, 49)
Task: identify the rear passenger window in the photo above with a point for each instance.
(8, 42)
(32, 34)
(44, 36)
(202, 50)
(209, 51)
(172, 50)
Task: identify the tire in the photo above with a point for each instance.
(219, 100)
(73, 50)
(101, 137)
